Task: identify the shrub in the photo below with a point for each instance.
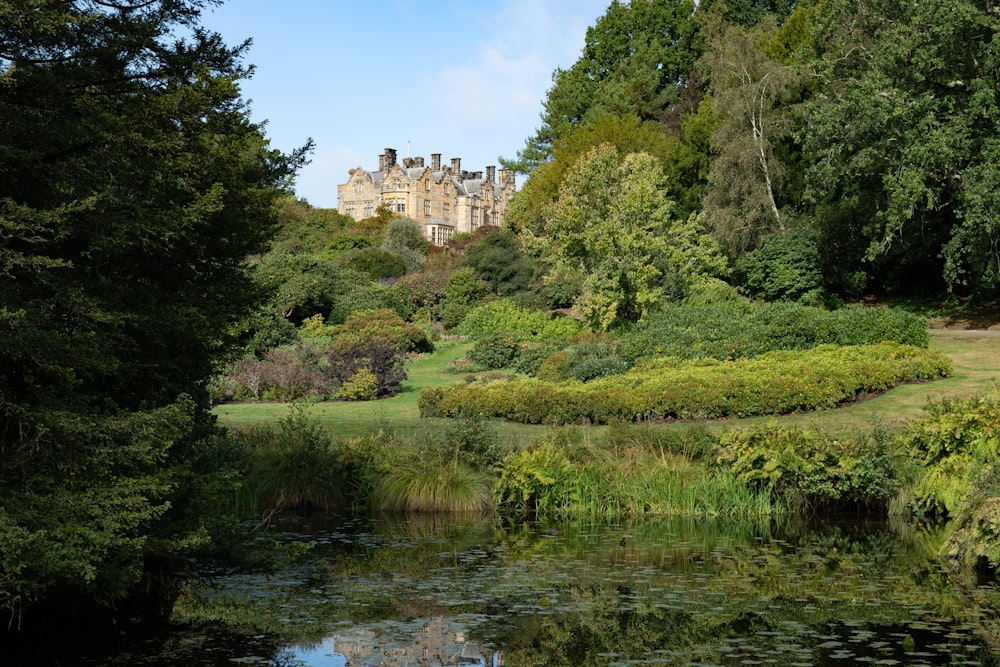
(784, 268)
(737, 330)
(293, 467)
(345, 242)
(777, 383)
(405, 239)
(425, 291)
(463, 291)
(952, 444)
(476, 440)
(975, 539)
(376, 263)
(497, 260)
(535, 480)
(555, 368)
(523, 324)
(384, 325)
(595, 357)
(531, 356)
(598, 367)
(379, 357)
(495, 350)
(362, 386)
(811, 469)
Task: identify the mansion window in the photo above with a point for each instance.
(368, 209)
(427, 185)
(475, 217)
(400, 206)
(349, 210)
(427, 207)
(441, 235)
(447, 212)
(447, 189)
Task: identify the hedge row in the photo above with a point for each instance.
(743, 330)
(776, 383)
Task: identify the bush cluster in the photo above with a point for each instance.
(523, 323)
(741, 330)
(812, 470)
(362, 359)
(777, 383)
(952, 443)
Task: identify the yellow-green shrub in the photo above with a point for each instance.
(776, 383)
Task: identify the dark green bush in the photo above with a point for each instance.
(499, 262)
(495, 350)
(477, 440)
(594, 357)
(598, 367)
(735, 330)
(532, 355)
(784, 268)
(376, 263)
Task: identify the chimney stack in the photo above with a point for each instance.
(390, 157)
(435, 162)
(456, 166)
(490, 172)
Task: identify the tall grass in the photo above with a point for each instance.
(677, 488)
(431, 488)
(293, 466)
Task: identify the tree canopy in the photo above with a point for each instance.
(133, 187)
(869, 127)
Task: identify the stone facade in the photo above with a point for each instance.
(444, 199)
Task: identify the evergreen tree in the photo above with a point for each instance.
(133, 186)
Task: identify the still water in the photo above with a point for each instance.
(436, 591)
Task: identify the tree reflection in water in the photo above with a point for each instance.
(436, 591)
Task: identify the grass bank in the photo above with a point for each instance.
(975, 355)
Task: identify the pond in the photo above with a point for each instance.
(440, 591)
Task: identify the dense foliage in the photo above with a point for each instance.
(776, 383)
(133, 186)
(741, 330)
(841, 146)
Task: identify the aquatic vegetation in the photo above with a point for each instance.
(650, 591)
(429, 486)
(292, 467)
(813, 470)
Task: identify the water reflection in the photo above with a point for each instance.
(435, 592)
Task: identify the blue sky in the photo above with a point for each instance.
(464, 79)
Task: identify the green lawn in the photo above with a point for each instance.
(974, 353)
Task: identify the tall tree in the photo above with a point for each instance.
(635, 60)
(902, 143)
(755, 99)
(614, 225)
(133, 186)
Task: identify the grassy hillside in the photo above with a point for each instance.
(974, 353)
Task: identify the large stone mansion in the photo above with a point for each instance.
(444, 199)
